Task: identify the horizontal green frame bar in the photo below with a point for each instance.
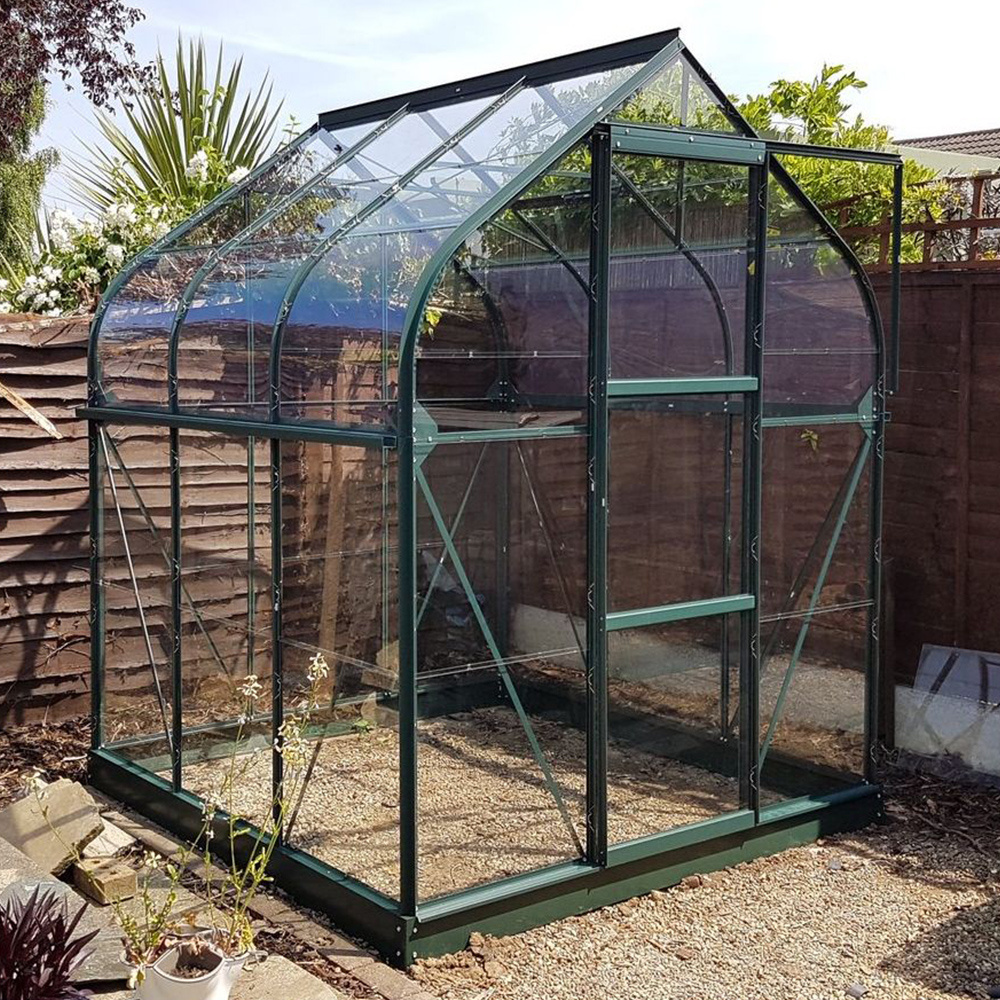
(679, 612)
(424, 442)
(833, 152)
(808, 420)
(679, 386)
(680, 837)
(239, 427)
(686, 145)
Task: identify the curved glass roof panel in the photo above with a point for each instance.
(230, 311)
(131, 350)
(820, 348)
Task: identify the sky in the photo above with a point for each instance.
(322, 55)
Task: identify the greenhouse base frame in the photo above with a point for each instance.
(523, 901)
(404, 930)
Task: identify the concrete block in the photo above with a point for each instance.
(104, 880)
(66, 808)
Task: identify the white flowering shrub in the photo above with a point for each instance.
(81, 256)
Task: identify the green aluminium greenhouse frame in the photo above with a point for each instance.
(518, 184)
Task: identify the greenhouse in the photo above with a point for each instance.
(536, 421)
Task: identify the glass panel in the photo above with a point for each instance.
(674, 495)
(281, 180)
(520, 130)
(679, 243)
(339, 601)
(132, 341)
(812, 689)
(676, 96)
(501, 762)
(673, 713)
(808, 507)
(506, 344)
(225, 616)
(819, 350)
(224, 344)
(136, 582)
(341, 340)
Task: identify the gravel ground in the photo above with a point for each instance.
(909, 910)
(485, 812)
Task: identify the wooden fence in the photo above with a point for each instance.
(942, 493)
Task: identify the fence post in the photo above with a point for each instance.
(976, 213)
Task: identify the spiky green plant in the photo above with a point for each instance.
(187, 134)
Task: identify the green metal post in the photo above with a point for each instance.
(406, 488)
(752, 494)
(176, 658)
(597, 497)
(277, 648)
(96, 585)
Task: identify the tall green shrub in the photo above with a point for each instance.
(22, 175)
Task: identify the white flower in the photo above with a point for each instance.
(119, 216)
(197, 168)
(40, 301)
(211, 805)
(115, 254)
(319, 669)
(33, 782)
(150, 860)
(51, 274)
(91, 275)
(5, 306)
(251, 688)
(63, 219)
(51, 312)
(3, 284)
(31, 283)
(291, 744)
(235, 176)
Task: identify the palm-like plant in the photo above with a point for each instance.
(190, 136)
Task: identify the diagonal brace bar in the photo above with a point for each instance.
(508, 682)
(135, 591)
(454, 527)
(845, 506)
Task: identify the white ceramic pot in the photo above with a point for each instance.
(159, 982)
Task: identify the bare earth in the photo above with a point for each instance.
(907, 911)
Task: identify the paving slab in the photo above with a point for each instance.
(66, 808)
(275, 979)
(108, 842)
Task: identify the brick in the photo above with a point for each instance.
(104, 880)
(388, 982)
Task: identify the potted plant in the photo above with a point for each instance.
(38, 949)
(165, 957)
